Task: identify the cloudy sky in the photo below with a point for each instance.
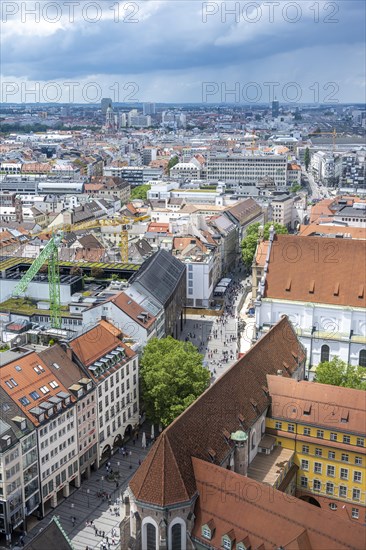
(183, 51)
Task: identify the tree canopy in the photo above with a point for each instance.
(307, 158)
(337, 373)
(249, 243)
(140, 192)
(172, 377)
(173, 161)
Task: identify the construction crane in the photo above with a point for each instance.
(112, 222)
(334, 134)
(50, 254)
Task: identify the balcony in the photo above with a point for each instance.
(271, 468)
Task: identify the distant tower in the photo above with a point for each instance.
(104, 104)
(275, 108)
(149, 108)
(18, 210)
(109, 119)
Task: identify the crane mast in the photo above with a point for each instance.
(49, 254)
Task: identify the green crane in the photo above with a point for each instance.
(50, 254)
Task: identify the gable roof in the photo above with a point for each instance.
(132, 309)
(244, 211)
(298, 263)
(268, 517)
(96, 342)
(51, 536)
(202, 425)
(160, 275)
(349, 404)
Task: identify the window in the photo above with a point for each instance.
(206, 533)
(317, 467)
(333, 506)
(278, 425)
(318, 452)
(357, 477)
(355, 513)
(34, 395)
(344, 457)
(343, 491)
(305, 449)
(291, 428)
(331, 455)
(304, 464)
(226, 544)
(9, 384)
(24, 401)
(362, 358)
(44, 389)
(320, 434)
(333, 436)
(344, 473)
(360, 442)
(13, 382)
(317, 485)
(36, 369)
(356, 494)
(358, 460)
(330, 471)
(324, 353)
(329, 488)
(307, 431)
(54, 384)
(346, 439)
(304, 481)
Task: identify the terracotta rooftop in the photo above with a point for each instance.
(265, 517)
(296, 270)
(201, 427)
(261, 254)
(310, 403)
(97, 342)
(132, 309)
(313, 228)
(30, 373)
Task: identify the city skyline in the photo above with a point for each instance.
(183, 52)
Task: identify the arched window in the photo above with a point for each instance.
(324, 353)
(177, 537)
(150, 536)
(362, 358)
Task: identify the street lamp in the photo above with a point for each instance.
(130, 459)
(87, 494)
(102, 479)
(118, 464)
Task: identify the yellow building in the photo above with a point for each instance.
(325, 427)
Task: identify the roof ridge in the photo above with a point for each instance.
(176, 466)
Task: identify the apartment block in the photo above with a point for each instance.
(324, 426)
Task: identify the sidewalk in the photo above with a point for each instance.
(88, 506)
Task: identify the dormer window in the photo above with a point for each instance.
(208, 530)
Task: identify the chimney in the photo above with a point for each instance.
(240, 439)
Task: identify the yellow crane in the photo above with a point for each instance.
(334, 134)
(124, 221)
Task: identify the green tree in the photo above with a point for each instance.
(97, 272)
(140, 192)
(250, 241)
(295, 188)
(173, 161)
(337, 373)
(172, 377)
(307, 158)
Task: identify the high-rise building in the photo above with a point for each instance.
(275, 108)
(104, 104)
(149, 108)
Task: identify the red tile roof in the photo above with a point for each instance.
(201, 426)
(326, 404)
(132, 309)
(299, 263)
(269, 518)
(27, 380)
(96, 342)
